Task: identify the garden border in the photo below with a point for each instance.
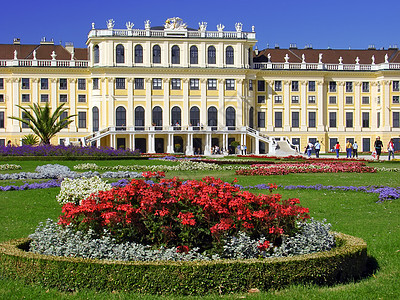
(347, 261)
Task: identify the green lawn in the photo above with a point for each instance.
(353, 213)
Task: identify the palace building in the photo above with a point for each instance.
(172, 88)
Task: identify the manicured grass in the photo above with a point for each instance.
(353, 213)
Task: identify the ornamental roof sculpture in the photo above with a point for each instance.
(175, 23)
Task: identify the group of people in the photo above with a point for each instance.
(378, 145)
(310, 146)
(242, 149)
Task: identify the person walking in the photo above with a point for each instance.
(378, 147)
(349, 149)
(337, 149)
(390, 148)
(317, 148)
(310, 146)
(355, 149)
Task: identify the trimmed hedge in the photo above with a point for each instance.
(346, 262)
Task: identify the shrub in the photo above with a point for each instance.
(191, 213)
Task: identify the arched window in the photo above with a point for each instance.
(157, 117)
(212, 117)
(195, 117)
(139, 118)
(176, 117)
(96, 54)
(156, 54)
(96, 118)
(120, 54)
(230, 118)
(138, 54)
(194, 55)
(120, 118)
(175, 55)
(211, 55)
(229, 57)
(251, 117)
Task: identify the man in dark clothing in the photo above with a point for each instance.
(378, 147)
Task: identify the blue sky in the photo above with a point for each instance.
(337, 24)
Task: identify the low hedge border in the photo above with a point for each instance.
(346, 262)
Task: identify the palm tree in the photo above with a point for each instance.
(44, 124)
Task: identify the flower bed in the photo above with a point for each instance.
(326, 167)
(300, 157)
(8, 167)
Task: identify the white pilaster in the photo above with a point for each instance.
(130, 113)
(286, 105)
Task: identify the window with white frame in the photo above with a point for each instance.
(81, 119)
(365, 87)
(295, 86)
(349, 100)
(81, 84)
(139, 83)
(1, 97)
(25, 98)
(175, 84)
(157, 83)
(44, 83)
(295, 99)
(395, 86)
(365, 119)
(349, 119)
(395, 100)
(260, 99)
(82, 98)
(1, 119)
(365, 100)
(230, 84)
(332, 119)
(1, 83)
(44, 98)
(311, 86)
(332, 99)
(295, 119)
(278, 119)
(332, 86)
(63, 98)
(63, 84)
(261, 85)
(194, 84)
(277, 99)
(278, 86)
(211, 84)
(349, 87)
(96, 83)
(261, 119)
(312, 116)
(25, 83)
(396, 119)
(311, 99)
(120, 83)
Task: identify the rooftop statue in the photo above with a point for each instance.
(175, 23)
(15, 54)
(110, 24)
(147, 25)
(303, 58)
(220, 27)
(320, 58)
(239, 27)
(373, 59)
(129, 25)
(386, 59)
(203, 26)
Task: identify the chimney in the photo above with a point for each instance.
(17, 41)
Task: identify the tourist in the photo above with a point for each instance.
(310, 146)
(355, 149)
(245, 149)
(378, 147)
(390, 148)
(337, 149)
(349, 149)
(9, 144)
(317, 148)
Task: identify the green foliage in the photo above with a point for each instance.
(42, 122)
(30, 139)
(184, 278)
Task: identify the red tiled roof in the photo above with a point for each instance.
(43, 51)
(329, 56)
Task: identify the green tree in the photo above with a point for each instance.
(44, 123)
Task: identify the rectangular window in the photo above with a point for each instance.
(366, 143)
(96, 83)
(278, 86)
(44, 98)
(278, 119)
(23, 116)
(395, 86)
(250, 85)
(81, 84)
(211, 84)
(1, 98)
(63, 98)
(81, 119)
(194, 84)
(120, 83)
(365, 119)
(157, 83)
(296, 141)
(311, 99)
(295, 119)
(349, 119)
(278, 99)
(175, 84)
(26, 98)
(312, 119)
(261, 85)
(332, 86)
(63, 84)
(311, 86)
(1, 119)
(349, 87)
(82, 98)
(139, 83)
(295, 99)
(332, 143)
(395, 100)
(44, 83)
(25, 83)
(261, 99)
(1, 84)
(396, 119)
(365, 100)
(230, 84)
(349, 99)
(64, 115)
(332, 99)
(261, 119)
(378, 119)
(332, 119)
(365, 87)
(295, 86)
